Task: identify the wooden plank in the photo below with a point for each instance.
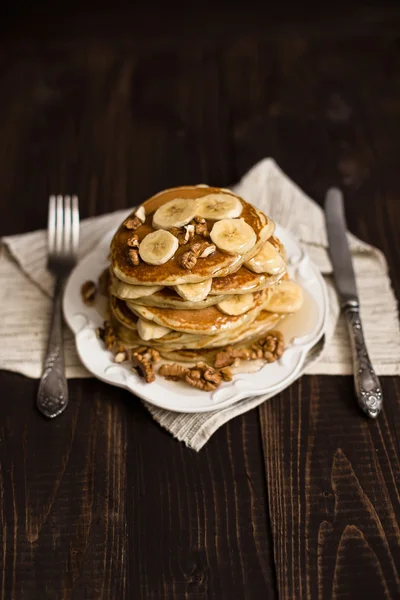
(62, 492)
(332, 479)
(196, 522)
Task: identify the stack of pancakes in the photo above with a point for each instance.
(195, 269)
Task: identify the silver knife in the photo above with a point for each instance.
(367, 387)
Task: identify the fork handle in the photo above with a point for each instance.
(52, 397)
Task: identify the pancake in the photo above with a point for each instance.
(244, 281)
(208, 354)
(168, 298)
(207, 321)
(186, 347)
(218, 264)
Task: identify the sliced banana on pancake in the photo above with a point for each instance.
(126, 291)
(233, 236)
(219, 206)
(236, 304)
(268, 260)
(194, 292)
(158, 247)
(150, 331)
(174, 213)
(287, 298)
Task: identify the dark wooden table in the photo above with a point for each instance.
(297, 499)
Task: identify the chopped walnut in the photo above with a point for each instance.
(228, 356)
(184, 234)
(196, 250)
(201, 376)
(107, 335)
(256, 352)
(133, 241)
(204, 378)
(241, 353)
(224, 358)
(133, 256)
(173, 372)
(200, 227)
(272, 345)
(88, 292)
(226, 373)
(151, 355)
(188, 260)
(203, 249)
(144, 367)
(132, 223)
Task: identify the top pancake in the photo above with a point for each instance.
(217, 264)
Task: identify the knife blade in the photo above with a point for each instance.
(366, 383)
(338, 247)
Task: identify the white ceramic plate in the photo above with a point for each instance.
(176, 396)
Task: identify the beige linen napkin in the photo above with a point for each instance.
(26, 288)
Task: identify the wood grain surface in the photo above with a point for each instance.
(296, 500)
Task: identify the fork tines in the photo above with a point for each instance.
(63, 227)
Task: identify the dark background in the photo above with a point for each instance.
(299, 498)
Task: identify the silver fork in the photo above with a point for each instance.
(63, 241)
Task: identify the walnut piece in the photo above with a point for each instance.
(143, 359)
(228, 356)
(133, 256)
(151, 355)
(270, 347)
(201, 376)
(200, 227)
(133, 241)
(226, 373)
(173, 372)
(144, 367)
(273, 345)
(184, 234)
(107, 335)
(132, 223)
(196, 250)
(88, 292)
(188, 260)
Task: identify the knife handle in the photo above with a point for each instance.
(366, 383)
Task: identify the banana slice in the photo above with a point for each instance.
(126, 291)
(219, 206)
(194, 292)
(174, 213)
(150, 331)
(268, 260)
(287, 298)
(233, 236)
(158, 247)
(236, 304)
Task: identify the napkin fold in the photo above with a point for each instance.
(26, 289)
